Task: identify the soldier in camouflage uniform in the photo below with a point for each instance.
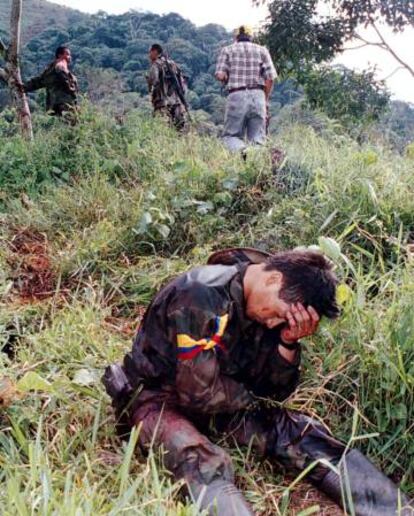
(60, 83)
(167, 88)
(213, 343)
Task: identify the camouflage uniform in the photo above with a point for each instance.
(197, 356)
(61, 88)
(164, 96)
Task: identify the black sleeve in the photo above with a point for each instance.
(283, 375)
(278, 377)
(35, 83)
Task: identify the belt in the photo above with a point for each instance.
(244, 88)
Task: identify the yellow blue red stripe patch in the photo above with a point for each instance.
(188, 348)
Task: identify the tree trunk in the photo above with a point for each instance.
(10, 74)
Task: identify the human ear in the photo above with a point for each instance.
(273, 278)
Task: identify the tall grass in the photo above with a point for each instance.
(124, 208)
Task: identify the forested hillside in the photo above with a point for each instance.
(110, 59)
(111, 52)
(40, 15)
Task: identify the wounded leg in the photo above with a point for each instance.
(297, 442)
(206, 468)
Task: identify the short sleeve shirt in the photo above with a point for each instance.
(246, 64)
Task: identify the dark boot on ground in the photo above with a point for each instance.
(222, 498)
(372, 493)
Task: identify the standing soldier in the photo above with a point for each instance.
(217, 341)
(60, 83)
(167, 88)
(248, 72)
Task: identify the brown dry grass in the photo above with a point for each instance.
(32, 272)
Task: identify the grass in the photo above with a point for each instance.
(120, 209)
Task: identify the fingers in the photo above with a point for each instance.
(314, 314)
(291, 320)
(301, 316)
(302, 322)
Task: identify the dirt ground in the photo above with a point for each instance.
(33, 276)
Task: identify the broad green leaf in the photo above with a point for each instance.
(32, 381)
(330, 247)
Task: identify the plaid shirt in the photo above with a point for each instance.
(246, 64)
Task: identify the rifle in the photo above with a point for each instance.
(177, 86)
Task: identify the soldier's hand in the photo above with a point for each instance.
(301, 322)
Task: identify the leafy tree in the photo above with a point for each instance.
(346, 95)
(302, 40)
(298, 38)
(396, 13)
(299, 35)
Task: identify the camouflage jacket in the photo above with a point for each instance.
(161, 86)
(197, 350)
(61, 87)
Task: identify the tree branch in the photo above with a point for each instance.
(394, 72)
(368, 43)
(387, 47)
(358, 47)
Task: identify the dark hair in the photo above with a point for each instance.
(60, 51)
(158, 48)
(242, 35)
(308, 278)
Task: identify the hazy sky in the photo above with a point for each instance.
(231, 13)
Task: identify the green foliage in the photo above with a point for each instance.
(354, 98)
(301, 36)
(396, 13)
(110, 59)
(396, 126)
(298, 37)
(38, 16)
(132, 206)
(111, 52)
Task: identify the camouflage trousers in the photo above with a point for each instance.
(289, 438)
(68, 112)
(174, 114)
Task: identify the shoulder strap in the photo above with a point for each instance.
(238, 255)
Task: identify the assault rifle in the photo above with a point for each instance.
(177, 85)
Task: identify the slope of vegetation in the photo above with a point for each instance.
(111, 51)
(96, 217)
(40, 15)
(110, 60)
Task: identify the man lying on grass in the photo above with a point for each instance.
(215, 342)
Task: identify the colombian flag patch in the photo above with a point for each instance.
(189, 348)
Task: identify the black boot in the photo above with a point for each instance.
(222, 498)
(366, 491)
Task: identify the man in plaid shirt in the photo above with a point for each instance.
(249, 73)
